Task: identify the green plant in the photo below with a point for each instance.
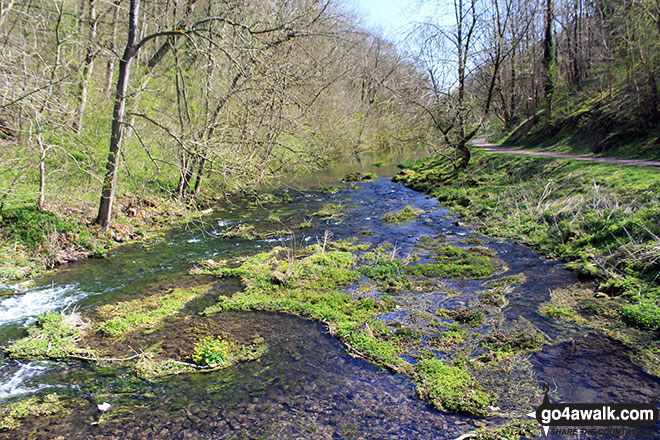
(211, 351)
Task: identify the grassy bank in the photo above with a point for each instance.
(33, 241)
(602, 219)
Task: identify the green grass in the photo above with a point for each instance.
(311, 284)
(147, 313)
(330, 211)
(56, 335)
(450, 388)
(50, 405)
(602, 219)
(455, 262)
(406, 214)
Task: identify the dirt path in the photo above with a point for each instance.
(481, 142)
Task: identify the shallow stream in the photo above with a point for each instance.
(306, 386)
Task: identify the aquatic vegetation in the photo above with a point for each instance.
(146, 313)
(149, 368)
(359, 177)
(406, 214)
(644, 315)
(330, 211)
(249, 232)
(602, 219)
(510, 430)
(305, 224)
(273, 218)
(450, 388)
(310, 285)
(243, 231)
(455, 262)
(49, 405)
(523, 340)
(56, 335)
(471, 316)
(211, 351)
(556, 312)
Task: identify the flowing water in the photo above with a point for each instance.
(306, 386)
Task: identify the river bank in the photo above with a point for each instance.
(422, 293)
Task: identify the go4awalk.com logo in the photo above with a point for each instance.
(600, 417)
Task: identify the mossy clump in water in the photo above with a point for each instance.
(146, 313)
(455, 262)
(471, 316)
(450, 388)
(406, 214)
(12, 414)
(311, 283)
(248, 232)
(330, 211)
(512, 430)
(359, 177)
(56, 335)
(149, 368)
(513, 342)
(209, 354)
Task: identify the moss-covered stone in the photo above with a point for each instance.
(406, 214)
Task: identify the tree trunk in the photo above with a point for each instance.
(42, 174)
(88, 67)
(110, 180)
(4, 10)
(548, 62)
(110, 69)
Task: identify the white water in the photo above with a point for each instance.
(17, 309)
(15, 382)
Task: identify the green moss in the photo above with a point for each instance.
(644, 315)
(149, 368)
(330, 211)
(406, 214)
(249, 232)
(450, 388)
(56, 335)
(455, 262)
(12, 414)
(471, 316)
(512, 342)
(360, 177)
(510, 430)
(602, 219)
(147, 313)
(556, 312)
(210, 354)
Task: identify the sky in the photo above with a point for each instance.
(394, 19)
(390, 18)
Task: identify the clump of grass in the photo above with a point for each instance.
(12, 414)
(149, 368)
(359, 177)
(311, 284)
(56, 335)
(455, 262)
(450, 388)
(644, 315)
(471, 316)
(305, 224)
(330, 211)
(505, 343)
(145, 314)
(406, 214)
(244, 231)
(556, 312)
(511, 430)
